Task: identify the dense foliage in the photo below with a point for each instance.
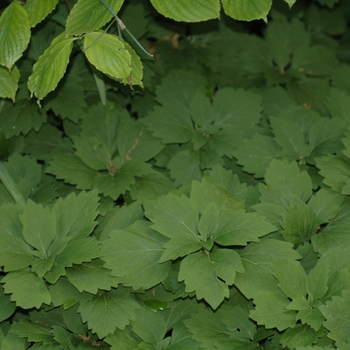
(207, 209)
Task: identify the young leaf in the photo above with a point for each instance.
(108, 54)
(39, 9)
(14, 35)
(27, 289)
(108, 311)
(9, 82)
(50, 67)
(182, 11)
(176, 218)
(247, 10)
(121, 254)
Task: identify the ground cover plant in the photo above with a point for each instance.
(196, 199)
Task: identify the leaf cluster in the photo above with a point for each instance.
(207, 211)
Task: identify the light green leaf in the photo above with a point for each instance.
(39, 226)
(90, 277)
(108, 54)
(136, 67)
(9, 82)
(299, 224)
(51, 66)
(247, 10)
(39, 9)
(133, 255)
(271, 310)
(89, 15)
(108, 311)
(184, 11)
(176, 218)
(200, 275)
(14, 34)
(27, 289)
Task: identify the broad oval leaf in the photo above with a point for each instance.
(89, 15)
(9, 82)
(136, 67)
(39, 9)
(14, 34)
(50, 67)
(188, 11)
(247, 10)
(108, 54)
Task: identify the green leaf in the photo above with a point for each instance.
(7, 306)
(183, 11)
(108, 54)
(123, 339)
(256, 154)
(176, 218)
(39, 226)
(27, 289)
(299, 224)
(271, 310)
(76, 214)
(12, 121)
(257, 262)
(70, 168)
(239, 228)
(39, 9)
(133, 255)
(108, 311)
(136, 67)
(90, 277)
(292, 337)
(335, 171)
(291, 277)
(325, 204)
(201, 274)
(247, 10)
(9, 82)
(337, 317)
(47, 143)
(285, 182)
(89, 15)
(14, 35)
(51, 66)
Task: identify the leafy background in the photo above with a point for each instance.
(206, 210)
